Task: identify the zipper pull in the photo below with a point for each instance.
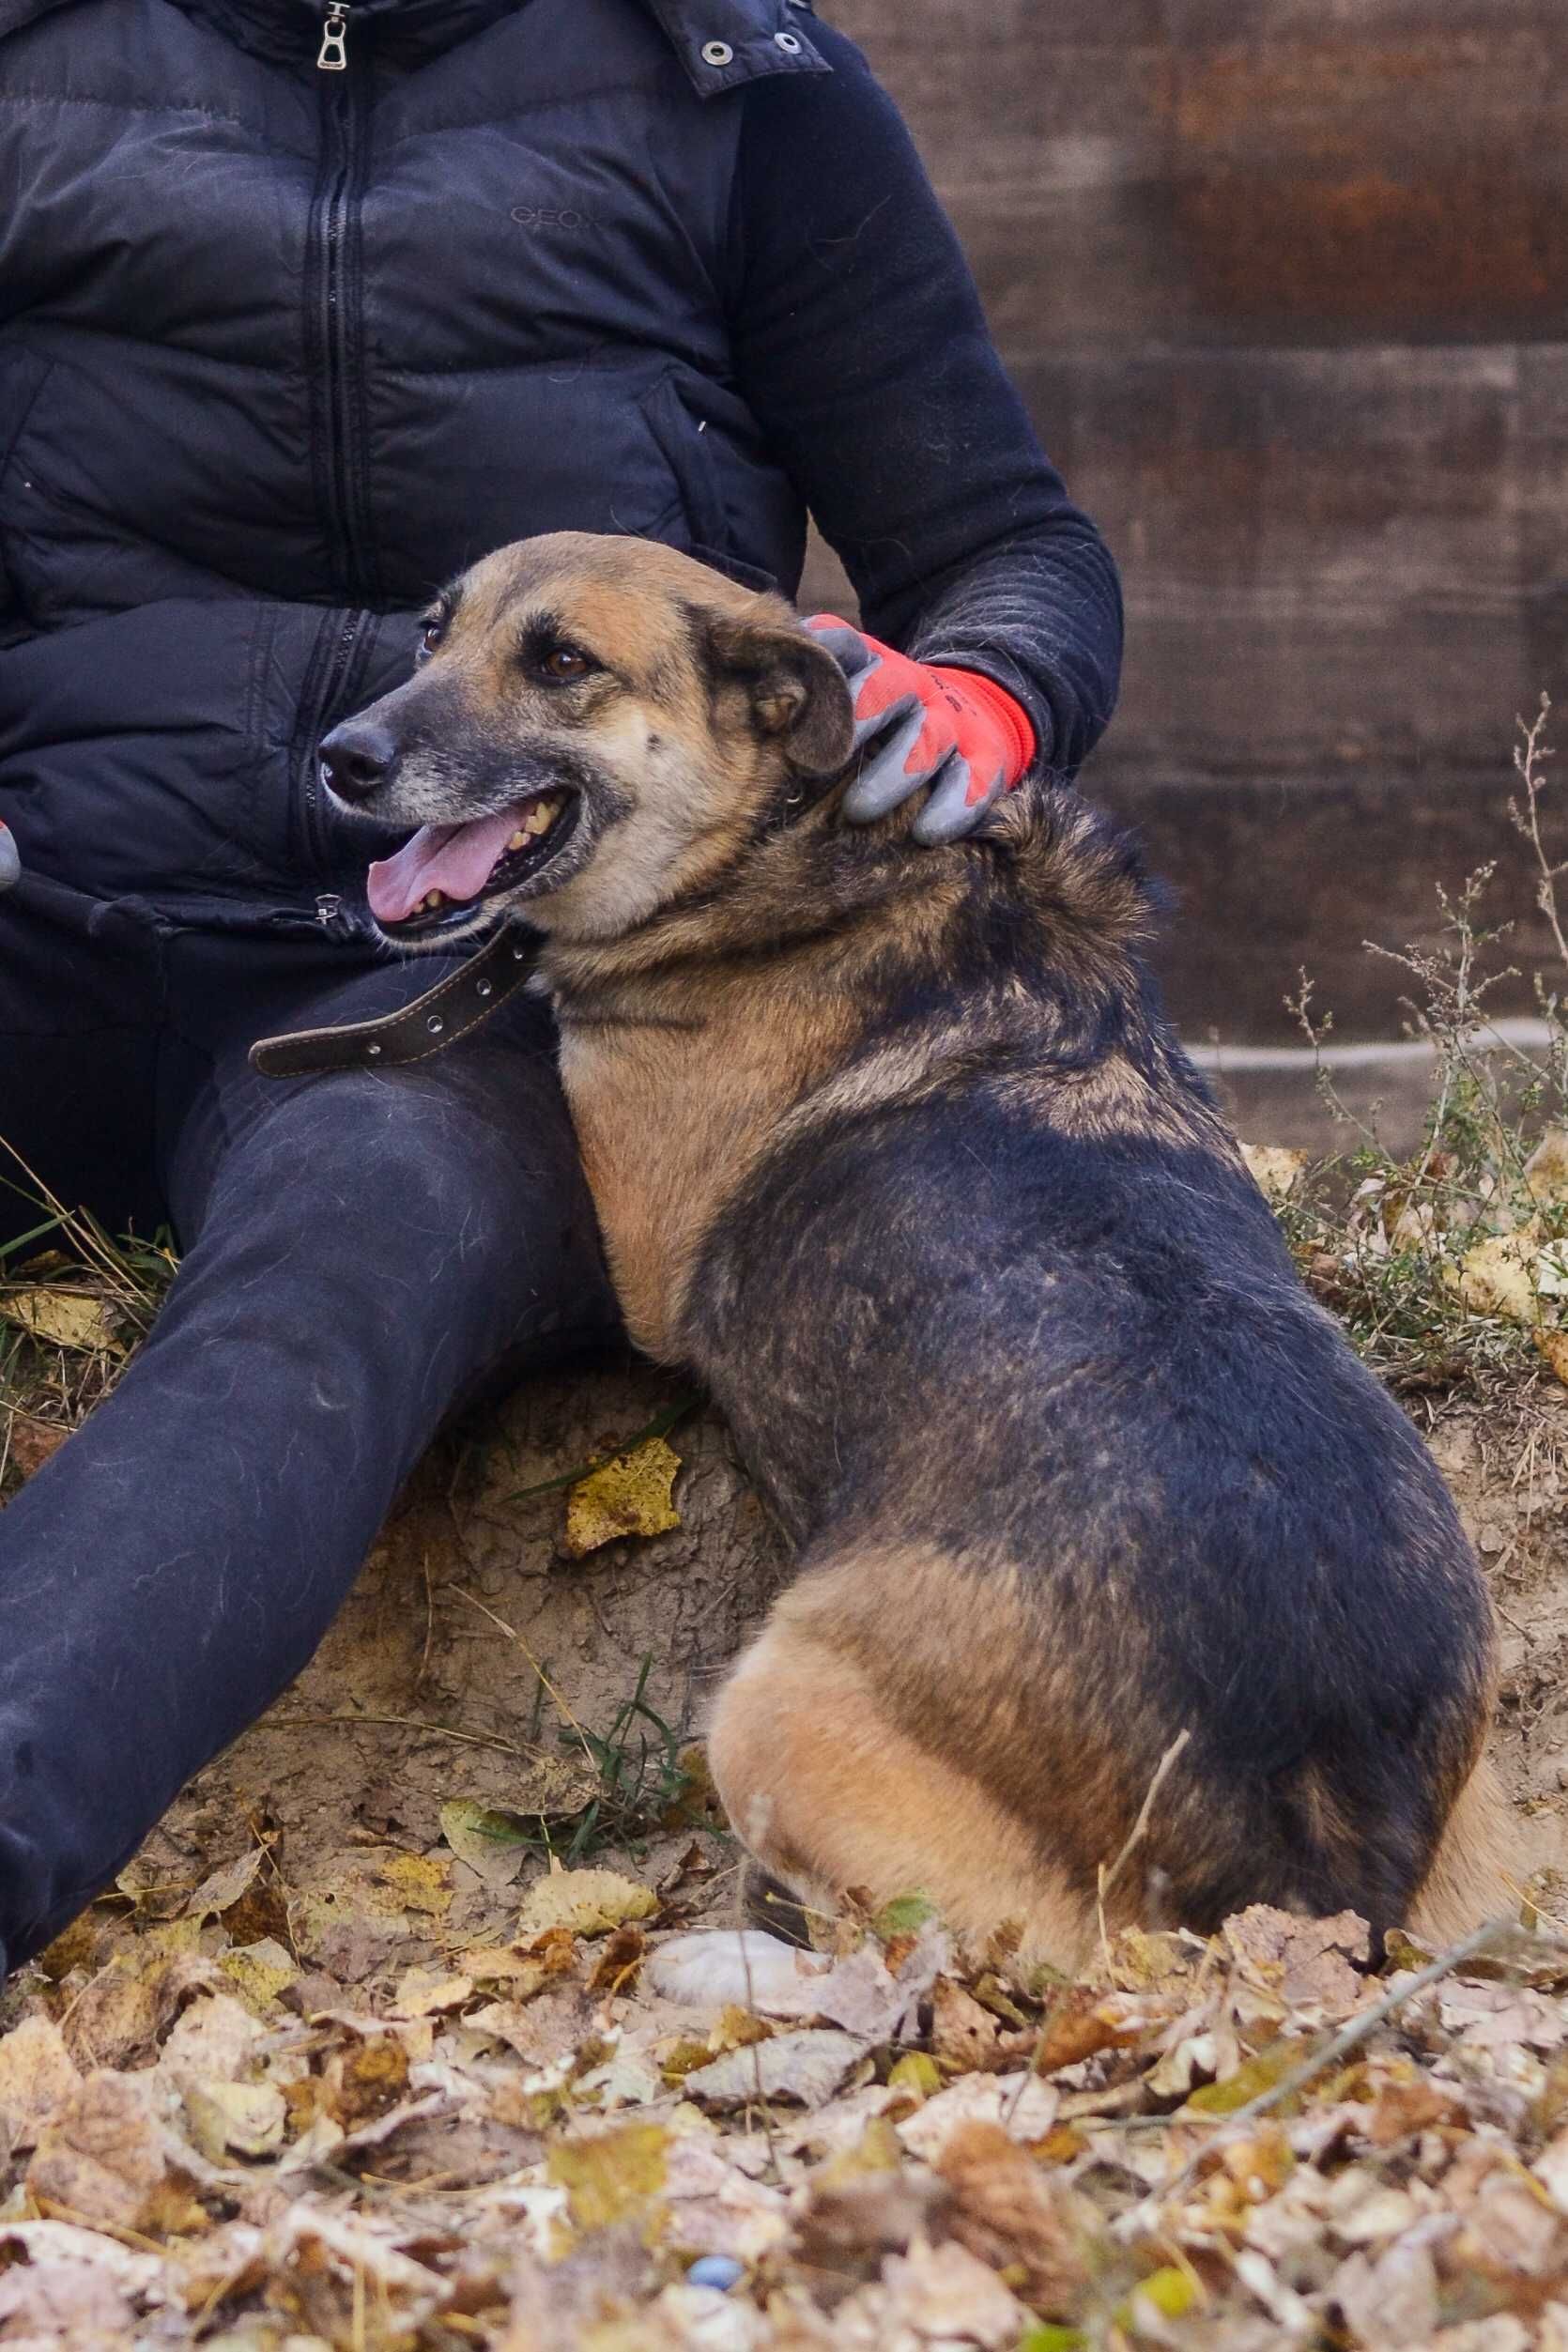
(332, 56)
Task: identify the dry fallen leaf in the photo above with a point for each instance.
(610, 2177)
(493, 1844)
(237, 2119)
(1547, 1169)
(1015, 2216)
(222, 1888)
(1305, 1962)
(36, 2073)
(633, 1494)
(429, 1992)
(116, 2020)
(807, 2066)
(64, 1318)
(1497, 1277)
(27, 1445)
(585, 1902)
(419, 1882)
(101, 2159)
(68, 2306)
(258, 1972)
(1274, 1169)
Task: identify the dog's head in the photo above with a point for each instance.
(597, 726)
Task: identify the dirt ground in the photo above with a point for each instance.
(329, 2070)
(333, 2071)
(387, 1725)
(379, 1729)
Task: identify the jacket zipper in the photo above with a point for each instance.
(342, 640)
(332, 56)
(341, 458)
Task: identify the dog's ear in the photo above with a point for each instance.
(796, 690)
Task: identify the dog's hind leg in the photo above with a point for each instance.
(832, 1794)
(1475, 1871)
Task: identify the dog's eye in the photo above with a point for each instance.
(563, 663)
(432, 635)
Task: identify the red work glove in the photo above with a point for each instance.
(11, 865)
(949, 728)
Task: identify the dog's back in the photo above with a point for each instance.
(1075, 1463)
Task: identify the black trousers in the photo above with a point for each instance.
(360, 1252)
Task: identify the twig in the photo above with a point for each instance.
(1107, 1879)
(403, 1723)
(1350, 2037)
(757, 2063)
(513, 1635)
(1134, 1836)
(1527, 761)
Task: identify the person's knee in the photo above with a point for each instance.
(370, 1213)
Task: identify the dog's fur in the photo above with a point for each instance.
(894, 1147)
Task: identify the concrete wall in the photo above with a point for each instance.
(1286, 282)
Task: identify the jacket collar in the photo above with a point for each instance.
(721, 43)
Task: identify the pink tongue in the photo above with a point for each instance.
(457, 860)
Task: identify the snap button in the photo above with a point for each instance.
(786, 41)
(717, 52)
(373, 1051)
(482, 987)
(435, 1024)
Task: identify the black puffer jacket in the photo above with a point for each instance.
(281, 346)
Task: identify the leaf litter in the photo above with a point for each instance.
(527, 2142)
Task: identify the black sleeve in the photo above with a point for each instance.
(863, 351)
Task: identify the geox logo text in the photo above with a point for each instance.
(535, 216)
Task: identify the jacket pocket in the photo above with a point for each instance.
(24, 375)
(683, 438)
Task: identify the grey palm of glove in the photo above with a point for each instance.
(950, 733)
(11, 864)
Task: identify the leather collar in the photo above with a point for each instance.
(454, 1009)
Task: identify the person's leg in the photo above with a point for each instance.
(81, 989)
(359, 1249)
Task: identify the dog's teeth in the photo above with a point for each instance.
(518, 841)
(434, 898)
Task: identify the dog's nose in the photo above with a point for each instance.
(357, 757)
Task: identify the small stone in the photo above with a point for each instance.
(718, 2270)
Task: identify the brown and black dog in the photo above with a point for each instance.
(894, 1147)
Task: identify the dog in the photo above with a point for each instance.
(894, 1149)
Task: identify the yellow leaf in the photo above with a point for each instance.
(246, 2117)
(1496, 1277)
(65, 1318)
(1547, 1169)
(428, 1991)
(614, 2176)
(420, 1882)
(631, 1495)
(1251, 2080)
(1273, 1169)
(258, 1972)
(916, 2073)
(1554, 1347)
(585, 1902)
(1171, 2292)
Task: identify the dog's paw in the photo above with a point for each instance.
(735, 1968)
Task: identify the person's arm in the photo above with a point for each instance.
(863, 351)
